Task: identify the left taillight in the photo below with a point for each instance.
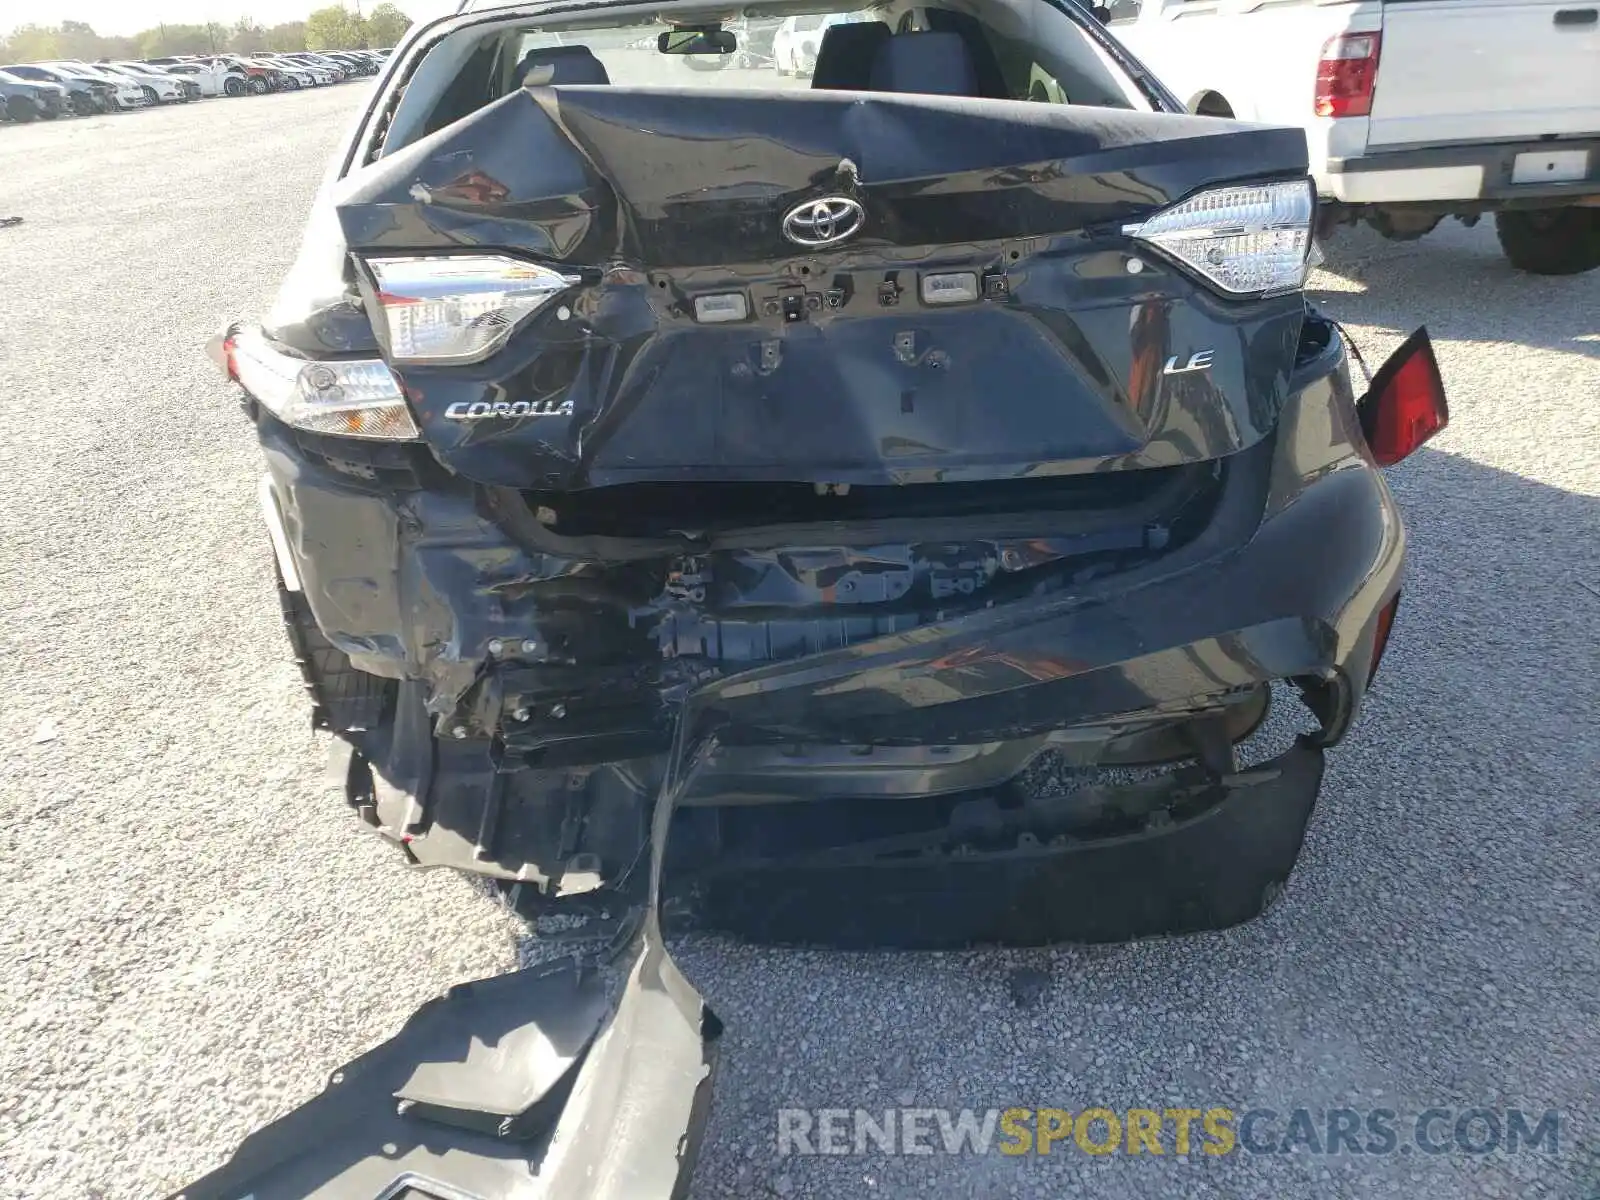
(352, 397)
(1347, 76)
(1248, 240)
(1405, 406)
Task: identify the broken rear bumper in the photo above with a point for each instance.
(415, 579)
(514, 755)
(1210, 860)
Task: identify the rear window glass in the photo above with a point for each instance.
(1017, 50)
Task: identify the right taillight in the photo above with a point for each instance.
(1405, 406)
(459, 308)
(1346, 76)
(351, 397)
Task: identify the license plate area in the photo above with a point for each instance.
(1550, 166)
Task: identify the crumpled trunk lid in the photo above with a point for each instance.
(841, 372)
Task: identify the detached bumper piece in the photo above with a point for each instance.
(1196, 855)
(561, 1081)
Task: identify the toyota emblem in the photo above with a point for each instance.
(824, 222)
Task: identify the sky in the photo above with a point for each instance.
(118, 17)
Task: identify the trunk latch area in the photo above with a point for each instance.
(794, 306)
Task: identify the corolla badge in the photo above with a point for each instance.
(482, 410)
(823, 222)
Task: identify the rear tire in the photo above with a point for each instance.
(83, 105)
(1551, 241)
(20, 110)
(344, 699)
(233, 86)
(257, 86)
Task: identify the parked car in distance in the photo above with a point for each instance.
(325, 69)
(84, 96)
(213, 76)
(191, 88)
(125, 93)
(345, 60)
(295, 74)
(352, 63)
(24, 100)
(260, 77)
(159, 87)
(1414, 110)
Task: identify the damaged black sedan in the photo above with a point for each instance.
(785, 464)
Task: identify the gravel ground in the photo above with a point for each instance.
(194, 932)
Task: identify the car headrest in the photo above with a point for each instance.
(844, 60)
(991, 79)
(930, 63)
(551, 65)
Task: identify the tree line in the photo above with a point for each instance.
(331, 28)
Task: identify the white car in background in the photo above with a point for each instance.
(213, 76)
(128, 94)
(158, 86)
(1414, 110)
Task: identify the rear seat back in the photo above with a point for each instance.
(551, 65)
(844, 60)
(928, 63)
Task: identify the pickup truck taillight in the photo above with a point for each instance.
(1346, 76)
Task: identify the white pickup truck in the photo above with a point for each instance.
(1414, 110)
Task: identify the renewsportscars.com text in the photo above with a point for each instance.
(1173, 1131)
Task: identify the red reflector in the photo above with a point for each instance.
(220, 351)
(1380, 636)
(1405, 406)
(1346, 76)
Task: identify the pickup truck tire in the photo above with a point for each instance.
(1554, 241)
(344, 699)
